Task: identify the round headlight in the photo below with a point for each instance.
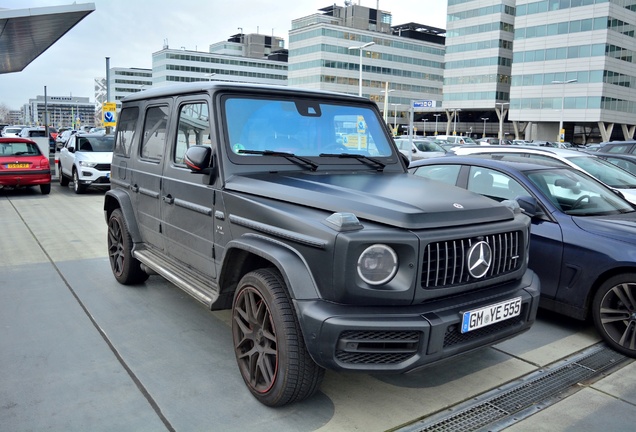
(377, 264)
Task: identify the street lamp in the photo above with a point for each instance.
(361, 47)
(210, 75)
(386, 101)
(485, 119)
(561, 133)
(436, 116)
(395, 118)
(501, 115)
(455, 115)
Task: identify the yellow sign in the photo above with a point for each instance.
(351, 141)
(108, 114)
(362, 126)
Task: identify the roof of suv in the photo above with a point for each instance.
(197, 87)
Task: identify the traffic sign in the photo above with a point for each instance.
(362, 126)
(108, 114)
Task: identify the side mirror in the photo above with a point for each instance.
(71, 149)
(529, 205)
(198, 159)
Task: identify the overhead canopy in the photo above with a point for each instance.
(27, 33)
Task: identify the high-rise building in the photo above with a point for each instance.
(573, 64)
(479, 43)
(548, 64)
(355, 49)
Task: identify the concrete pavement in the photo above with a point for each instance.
(80, 352)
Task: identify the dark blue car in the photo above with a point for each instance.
(583, 244)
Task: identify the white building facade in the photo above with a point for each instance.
(574, 63)
(170, 66)
(324, 53)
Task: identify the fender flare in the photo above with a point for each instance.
(117, 198)
(289, 262)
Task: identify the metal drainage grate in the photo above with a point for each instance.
(496, 407)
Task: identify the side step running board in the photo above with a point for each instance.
(189, 280)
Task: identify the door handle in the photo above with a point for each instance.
(168, 199)
(134, 188)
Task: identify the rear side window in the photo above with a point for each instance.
(154, 134)
(126, 125)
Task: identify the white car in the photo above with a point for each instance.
(85, 159)
(418, 149)
(602, 170)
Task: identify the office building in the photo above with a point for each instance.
(355, 49)
(226, 63)
(63, 111)
(574, 64)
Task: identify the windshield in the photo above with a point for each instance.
(258, 127)
(103, 143)
(428, 146)
(605, 171)
(576, 194)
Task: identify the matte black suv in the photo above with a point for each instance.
(294, 209)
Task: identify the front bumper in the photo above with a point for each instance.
(400, 339)
(93, 177)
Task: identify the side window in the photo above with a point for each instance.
(494, 184)
(618, 149)
(154, 134)
(126, 126)
(194, 129)
(443, 173)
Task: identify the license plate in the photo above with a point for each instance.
(492, 314)
(18, 165)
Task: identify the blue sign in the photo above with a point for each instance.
(424, 104)
(109, 117)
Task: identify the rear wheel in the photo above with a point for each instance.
(268, 343)
(125, 267)
(45, 188)
(62, 178)
(614, 312)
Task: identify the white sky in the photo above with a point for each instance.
(129, 31)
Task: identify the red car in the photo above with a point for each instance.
(23, 164)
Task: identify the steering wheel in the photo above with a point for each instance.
(579, 201)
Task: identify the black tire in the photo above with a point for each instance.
(614, 313)
(126, 269)
(63, 180)
(45, 188)
(268, 343)
(78, 187)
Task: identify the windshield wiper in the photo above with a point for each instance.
(362, 158)
(298, 160)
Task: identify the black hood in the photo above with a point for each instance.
(396, 199)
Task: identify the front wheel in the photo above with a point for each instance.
(61, 177)
(268, 343)
(126, 269)
(614, 313)
(78, 187)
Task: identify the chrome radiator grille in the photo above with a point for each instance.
(445, 263)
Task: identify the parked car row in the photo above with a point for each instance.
(583, 244)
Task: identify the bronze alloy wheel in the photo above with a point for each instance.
(614, 310)
(268, 343)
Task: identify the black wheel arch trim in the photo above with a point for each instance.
(116, 198)
(289, 262)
